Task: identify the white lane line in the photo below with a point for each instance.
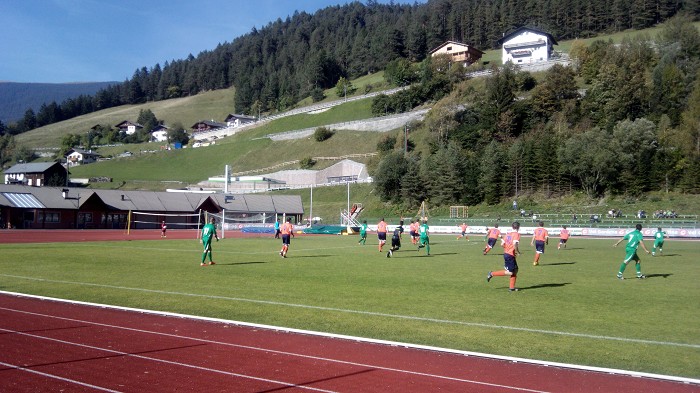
(52, 376)
(286, 353)
(120, 353)
(372, 313)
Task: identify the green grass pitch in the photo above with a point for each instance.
(570, 309)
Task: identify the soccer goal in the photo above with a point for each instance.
(459, 211)
(146, 220)
(233, 220)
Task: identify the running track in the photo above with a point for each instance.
(49, 345)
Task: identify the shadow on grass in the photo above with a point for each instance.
(540, 286)
(311, 256)
(666, 255)
(434, 254)
(662, 275)
(557, 263)
(571, 248)
(237, 263)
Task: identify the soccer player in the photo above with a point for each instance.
(208, 231)
(510, 244)
(658, 242)
(363, 233)
(381, 233)
(424, 239)
(163, 228)
(539, 239)
(463, 228)
(287, 231)
(492, 235)
(413, 231)
(277, 229)
(634, 240)
(395, 242)
(563, 237)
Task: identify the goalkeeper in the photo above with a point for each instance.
(208, 232)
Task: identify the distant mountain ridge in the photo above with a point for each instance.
(16, 97)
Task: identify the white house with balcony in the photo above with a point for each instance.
(234, 120)
(159, 133)
(526, 46)
(76, 156)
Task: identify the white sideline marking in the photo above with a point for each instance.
(29, 370)
(245, 347)
(376, 341)
(371, 313)
(287, 384)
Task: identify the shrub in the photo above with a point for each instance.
(322, 133)
(307, 163)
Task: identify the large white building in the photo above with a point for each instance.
(526, 46)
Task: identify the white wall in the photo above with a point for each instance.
(527, 40)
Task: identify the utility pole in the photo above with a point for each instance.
(405, 139)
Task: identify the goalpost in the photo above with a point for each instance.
(459, 211)
(146, 220)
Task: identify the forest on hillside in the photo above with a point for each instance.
(634, 129)
(279, 64)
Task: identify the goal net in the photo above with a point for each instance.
(176, 221)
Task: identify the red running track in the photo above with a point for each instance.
(93, 235)
(50, 346)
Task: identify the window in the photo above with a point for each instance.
(85, 217)
(49, 217)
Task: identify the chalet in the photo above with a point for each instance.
(461, 53)
(66, 208)
(526, 45)
(77, 156)
(37, 174)
(233, 120)
(159, 133)
(207, 125)
(127, 127)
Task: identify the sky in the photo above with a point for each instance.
(63, 41)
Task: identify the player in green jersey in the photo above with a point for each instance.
(658, 242)
(208, 232)
(424, 240)
(363, 233)
(634, 240)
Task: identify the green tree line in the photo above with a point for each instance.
(635, 129)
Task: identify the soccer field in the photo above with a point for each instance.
(570, 309)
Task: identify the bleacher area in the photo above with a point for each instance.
(581, 221)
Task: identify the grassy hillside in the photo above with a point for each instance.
(244, 151)
(210, 105)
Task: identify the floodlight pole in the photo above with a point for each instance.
(311, 208)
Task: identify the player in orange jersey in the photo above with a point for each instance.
(539, 239)
(287, 230)
(492, 235)
(381, 233)
(463, 228)
(563, 237)
(510, 244)
(413, 231)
